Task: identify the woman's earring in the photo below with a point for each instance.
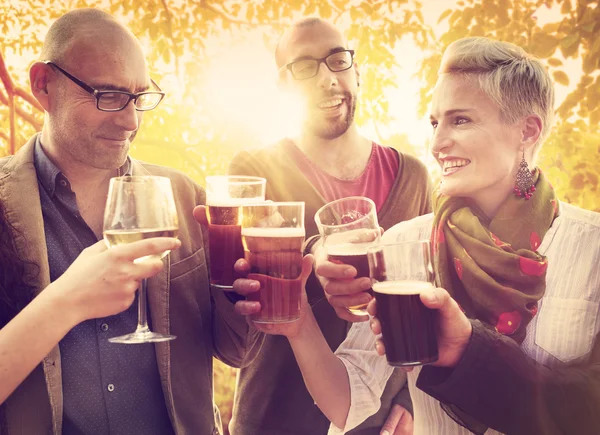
(524, 186)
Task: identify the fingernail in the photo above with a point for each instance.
(348, 272)
(431, 298)
(255, 286)
(385, 432)
(366, 285)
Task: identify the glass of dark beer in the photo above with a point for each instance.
(349, 226)
(224, 197)
(400, 272)
(273, 234)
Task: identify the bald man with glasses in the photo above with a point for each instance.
(92, 81)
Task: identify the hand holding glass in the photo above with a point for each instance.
(273, 234)
(400, 272)
(348, 227)
(224, 197)
(140, 208)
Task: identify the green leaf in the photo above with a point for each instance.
(325, 10)
(554, 62)
(444, 15)
(543, 44)
(561, 78)
(570, 44)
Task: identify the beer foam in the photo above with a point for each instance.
(233, 202)
(347, 249)
(404, 288)
(273, 232)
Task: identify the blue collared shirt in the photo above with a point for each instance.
(107, 388)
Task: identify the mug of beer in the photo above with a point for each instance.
(400, 272)
(224, 197)
(273, 234)
(348, 227)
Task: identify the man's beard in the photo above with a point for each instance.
(330, 129)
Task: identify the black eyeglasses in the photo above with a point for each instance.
(307, 68)
(114, 101)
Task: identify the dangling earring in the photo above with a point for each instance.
(524, 186)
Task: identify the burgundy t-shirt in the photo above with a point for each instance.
(375, 182)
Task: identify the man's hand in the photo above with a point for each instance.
(341, 289)
(244, 286)
(200, 215)
(399, 422)
(453, 331)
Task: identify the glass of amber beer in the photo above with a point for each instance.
(400, 272)
(224, 197)
(273, 234)
(348, 227)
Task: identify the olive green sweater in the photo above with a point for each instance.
(271, 398)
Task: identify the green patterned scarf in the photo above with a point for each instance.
(491, 267)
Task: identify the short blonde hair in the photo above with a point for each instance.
(515, 80)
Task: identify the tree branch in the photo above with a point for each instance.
(29, 98)
(27, 117)
(223, 15)
(5, 77)
(170, 30)
(11, 89)
(227, 17)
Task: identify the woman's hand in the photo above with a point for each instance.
(102, 282)
(453, 329)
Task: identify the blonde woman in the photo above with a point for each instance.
(504, 247)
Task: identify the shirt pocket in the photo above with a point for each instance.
(566, 328)
(188, 264)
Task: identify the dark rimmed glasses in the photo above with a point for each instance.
(114, 101)
(308, 68)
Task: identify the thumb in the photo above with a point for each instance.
(307, 266)
(389, 427)
(439, 299)
(200, 214)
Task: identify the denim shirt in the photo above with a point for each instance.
(107, 388)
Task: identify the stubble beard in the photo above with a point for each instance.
(332, 129)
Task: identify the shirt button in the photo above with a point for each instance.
(110, 388)
(104, 327)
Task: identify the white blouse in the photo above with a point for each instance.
(562, 332)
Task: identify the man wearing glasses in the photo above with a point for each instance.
(328, 161)
(93, 83)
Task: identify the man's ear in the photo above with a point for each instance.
(39, 77)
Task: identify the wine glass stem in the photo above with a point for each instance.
(142, 313)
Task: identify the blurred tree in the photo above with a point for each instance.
(572, 153)
(176, 33)
(181, 133)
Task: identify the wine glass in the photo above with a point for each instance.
(138, 208)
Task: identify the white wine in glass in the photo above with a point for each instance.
(138, 208)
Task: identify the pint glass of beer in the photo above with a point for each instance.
(224, 197)
(273, 234)
(400, 272)
(348, 227)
